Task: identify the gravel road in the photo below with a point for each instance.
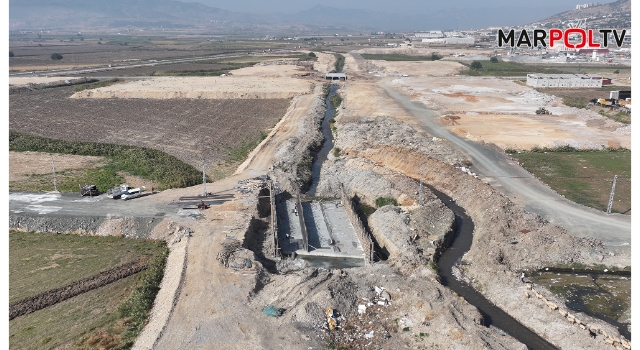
(523, 188)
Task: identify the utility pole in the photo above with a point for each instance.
(204, 180)
(613, 189)
(53, 166)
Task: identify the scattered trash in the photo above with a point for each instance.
(369, 335)
(273, 311)
(362, 309)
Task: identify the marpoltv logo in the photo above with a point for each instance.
(587, 38)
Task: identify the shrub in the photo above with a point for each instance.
(336, 152)
(435, 57)
(494, 59)
(147, 163)
(311, 54)
(56, 56)
(382, 201)
(476, 65)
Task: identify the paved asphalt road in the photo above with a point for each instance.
(521, 187)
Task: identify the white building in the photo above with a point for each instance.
(563, 80)
(451, 41)
(430, 34)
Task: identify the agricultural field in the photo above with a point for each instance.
(400, 57)
(84, 51)
(584, 177)
(39, 262)
(502, 68)
(189, 129)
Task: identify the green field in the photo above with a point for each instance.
(146, 163)
(584, 177)
(396, 57)
(41, 261)
(502, 68)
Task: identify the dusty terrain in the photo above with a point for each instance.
(502, 112)
(384, 152)
(23, 164)
(230, 87)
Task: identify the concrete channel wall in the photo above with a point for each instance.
(365, 240)
(274, 219)
(303, 227)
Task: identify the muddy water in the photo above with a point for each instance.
(604, 296)
(327, 145)
(492, 315)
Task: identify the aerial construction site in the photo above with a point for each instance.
(356, 198)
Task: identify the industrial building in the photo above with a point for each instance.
(451, 41)
(563, 80)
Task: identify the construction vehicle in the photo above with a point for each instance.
(89, 190)
(542, 110)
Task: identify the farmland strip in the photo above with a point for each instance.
(56, 295)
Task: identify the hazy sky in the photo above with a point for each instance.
(396, 6)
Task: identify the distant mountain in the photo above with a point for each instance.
(83, 14)
(76, 13)
(612, 15)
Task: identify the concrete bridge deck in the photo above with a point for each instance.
(330, 233)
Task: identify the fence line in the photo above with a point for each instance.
(274, 219)
(361, 232)
(303, 227)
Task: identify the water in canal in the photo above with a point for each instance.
(492, 315)
(327, 145)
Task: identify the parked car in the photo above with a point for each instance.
(132, 193)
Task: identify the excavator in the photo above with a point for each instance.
(542, 110)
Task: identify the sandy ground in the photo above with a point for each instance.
(502, 112)
(22, 164)
(17, 81)
(325, 62)
(270, 71)
(417, 68)
(202, 87)
(263, 156)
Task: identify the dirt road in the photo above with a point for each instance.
(522, 187)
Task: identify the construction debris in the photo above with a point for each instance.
(230, 245)
(273, 311)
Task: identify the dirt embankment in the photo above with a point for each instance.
(131, 227)
(293, 159)
(378, 151)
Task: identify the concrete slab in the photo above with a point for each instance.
(330, 232)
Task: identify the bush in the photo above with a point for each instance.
(382, 201)
(476, 65)
(147, 163)
(56, 56)
(435, 57)
(494, 59)
(311, 54)
(336, 152)
(136, 307)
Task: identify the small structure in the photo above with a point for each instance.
(563, 80)
(335, 76)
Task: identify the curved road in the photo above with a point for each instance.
(521, 187)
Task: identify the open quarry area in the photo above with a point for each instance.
(381, 211)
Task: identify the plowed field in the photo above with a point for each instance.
(190, 129)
